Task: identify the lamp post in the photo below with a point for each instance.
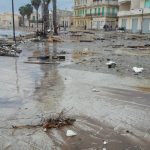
(141, 10)
(14, 36)
(91, 21)
(142, 21)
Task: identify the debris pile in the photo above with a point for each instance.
(10, 51)
(53, 121)
(55, 39)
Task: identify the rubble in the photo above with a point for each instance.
(10, 51)
(54, 39)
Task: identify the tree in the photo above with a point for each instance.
(28, 11)
(55, 16)
(22, 12)
(45, 5)
(36, 4)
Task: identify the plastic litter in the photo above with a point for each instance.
(137, 70)
(71, 133)
(95, 90)
(104, 142)
(111, 64)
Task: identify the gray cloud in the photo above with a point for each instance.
(5, 5)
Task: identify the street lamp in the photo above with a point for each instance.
(142, 20)
(14, 36)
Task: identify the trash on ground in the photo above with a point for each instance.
(95, 90)
(85, 51)
(71, 133)
(111, 64)
(104, 142)
(137, 70)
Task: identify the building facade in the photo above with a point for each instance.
(6, 20)
(64, 18)
(33, 20)
(134, 15)
(94, 14)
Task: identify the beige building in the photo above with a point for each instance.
(64, 18)
(33, 20)
(134, 15)
(94, 14)
(7, 22)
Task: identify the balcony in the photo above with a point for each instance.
(140, 11)
(123, 1)
(132, 12)
(106, 2)
(124, 13)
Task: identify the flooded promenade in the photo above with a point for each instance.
(111, 106)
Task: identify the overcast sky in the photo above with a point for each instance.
(5, 5)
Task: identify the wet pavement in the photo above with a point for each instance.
(117, 112)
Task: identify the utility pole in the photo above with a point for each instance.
(55, 17)
(14, 36)
(142, 22)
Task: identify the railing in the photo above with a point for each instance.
(97, 15)
(123, 1)
(105, 2)
(139, 11)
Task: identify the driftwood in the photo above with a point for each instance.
(57, 121)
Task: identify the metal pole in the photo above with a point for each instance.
(55, 16)
(91, 22)
(14, 36)
(142, 23)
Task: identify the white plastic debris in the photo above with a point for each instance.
(110, 63)
(104, 142)
(45, 130)
(95, 90)
(104, 148)
(71, 133)
(137, 70)
(85, 51)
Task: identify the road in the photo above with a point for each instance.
(110, 108)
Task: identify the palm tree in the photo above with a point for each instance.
(55, 16)
(36, 5)
(22, 12)
(28, 11)
(45, 5)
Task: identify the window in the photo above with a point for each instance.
(99, 11)
(103, 11)
(147, 3)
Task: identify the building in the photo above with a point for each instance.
(94, 14)
(64, 18)
(134, 15)
(6, 20)
(33, 20)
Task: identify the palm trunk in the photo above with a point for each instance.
(46, 18)
(29, 22)
(37, 18)
(23, 20)
(55, 17)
